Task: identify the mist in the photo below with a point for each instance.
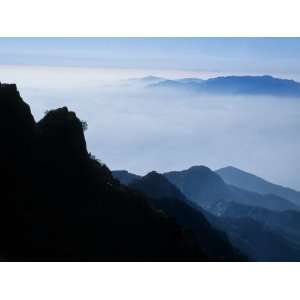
(135, 128)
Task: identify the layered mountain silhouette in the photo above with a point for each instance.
(264, 227)
(234, 85)
(262, 234)
(250, 182)
(203, 187)
(257, 241)
(166, 197)
(287, 223)
(207, 189)
(59, 203)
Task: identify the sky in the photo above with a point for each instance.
(131, 128)
(234, 55)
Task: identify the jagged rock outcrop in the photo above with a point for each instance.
(61, 135)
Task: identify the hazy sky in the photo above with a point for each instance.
(240, 55)
(135, 129)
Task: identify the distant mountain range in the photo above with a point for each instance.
(250, 182)
(214, 190)
(144, 81)
(264, 226)
(229, 85)
(207, 188)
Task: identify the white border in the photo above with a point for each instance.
(149, 18)
(153, 281)
(149, 281)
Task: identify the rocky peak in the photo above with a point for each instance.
(12, 105)
(62, 133)
(16, 122)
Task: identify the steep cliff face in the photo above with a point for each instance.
(57, 203)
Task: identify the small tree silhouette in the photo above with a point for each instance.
(84, 125)
(93, 157)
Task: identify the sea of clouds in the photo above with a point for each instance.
(140, 129)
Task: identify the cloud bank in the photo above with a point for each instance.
(130, 127)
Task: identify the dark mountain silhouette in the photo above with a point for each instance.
(58, 203)
(166, 197)
(250, 182)
(206, 188)
(235, 85)
(124, 176)
(157, 186)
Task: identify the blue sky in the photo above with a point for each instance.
(230, 55)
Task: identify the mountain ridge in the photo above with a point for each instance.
(196, 187)
(207, 188)
(234, 85)
(253, 183)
